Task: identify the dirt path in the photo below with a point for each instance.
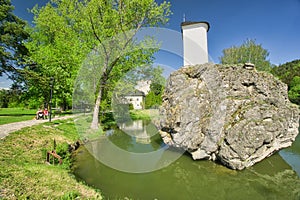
(6, 129)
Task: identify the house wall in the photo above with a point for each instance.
(136, 101)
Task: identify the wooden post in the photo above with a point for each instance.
(54, 155)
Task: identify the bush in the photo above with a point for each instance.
(131, 106)
(63, 151)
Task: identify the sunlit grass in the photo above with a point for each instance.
(10, 115)
(17, 111)
(144, 114)
(24, 174)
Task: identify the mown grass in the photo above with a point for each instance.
(10, 115)
(24, 174)
(17, 111)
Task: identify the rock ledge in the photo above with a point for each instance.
(227, 113)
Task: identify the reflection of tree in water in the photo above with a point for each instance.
(156, 142)
(285, 183)
(273, 179)
(152, 131)
(138, 136)
(188, 179)
(121, 139)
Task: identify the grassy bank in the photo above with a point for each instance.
(24, 174)
(144, 114)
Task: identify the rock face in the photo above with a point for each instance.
(232, 114)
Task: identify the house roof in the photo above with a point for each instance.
(191, 23)
(135, 93)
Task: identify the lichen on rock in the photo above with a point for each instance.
(232, 114)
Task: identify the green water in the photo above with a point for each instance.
(273, 178)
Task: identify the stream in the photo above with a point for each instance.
(276, 177)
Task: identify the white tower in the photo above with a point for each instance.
(195, 42)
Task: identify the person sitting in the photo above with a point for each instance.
(39, 114)
(46, 113)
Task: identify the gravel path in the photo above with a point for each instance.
(12, 127)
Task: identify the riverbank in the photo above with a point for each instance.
(146, 114)
(24, 173)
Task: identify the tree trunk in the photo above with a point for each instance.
(104, 77)
(95, 120)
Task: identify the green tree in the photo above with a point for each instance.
(12, 97)
(111, 26)
(66, 30)
(4, 100)
(249, 51)
(56, 50)
(154, 98)
(12, 36)
(294, 92)
(289, 73)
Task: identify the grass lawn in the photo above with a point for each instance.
(9, 115)
(24, 174)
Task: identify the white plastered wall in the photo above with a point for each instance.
(195, 49)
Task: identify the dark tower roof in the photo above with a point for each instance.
(190, 23)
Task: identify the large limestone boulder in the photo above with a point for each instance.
(232, 114)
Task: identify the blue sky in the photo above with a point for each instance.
(273, 23)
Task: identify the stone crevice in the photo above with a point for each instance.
(228, 113)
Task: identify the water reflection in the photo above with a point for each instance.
(292, 155)
(133, 149)
(139, 136)
(138, 130)
(272, 178)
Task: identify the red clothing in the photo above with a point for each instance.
(46, 112)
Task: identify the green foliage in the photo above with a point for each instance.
(131, 106)
(154, 98)
(62, 149)
(12, 98)
(140, 114)
(12, 35)
(110, 27)
(66, 31)
(70, 195)
(56, 50)
(289, 73)
(249, 51)
(122, 113)
(294, 92)
(4, 100)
